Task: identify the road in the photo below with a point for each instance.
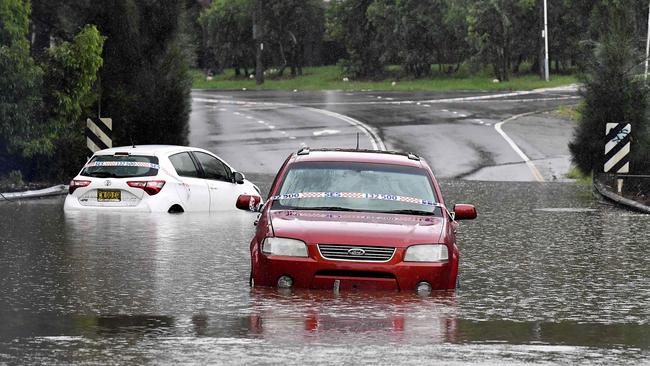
(461, 135)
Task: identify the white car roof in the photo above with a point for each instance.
(148, 149)
(156, 150)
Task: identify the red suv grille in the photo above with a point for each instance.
(361, 253)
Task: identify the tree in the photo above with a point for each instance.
(453, 47)
(20, 81)
(228, 25)
(421, 30)
(291, 25)
(71, 71)
(348, 22)
(499, 29)
(145, 81)
(612, 94)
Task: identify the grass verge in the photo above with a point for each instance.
(580, 177)
(330, 78)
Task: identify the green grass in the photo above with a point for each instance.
(580, 177)
(331, 78)
(570, 112)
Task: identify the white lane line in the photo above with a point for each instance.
(533, 169)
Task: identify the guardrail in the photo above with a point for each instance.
(634, 192)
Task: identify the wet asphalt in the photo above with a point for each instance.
(548, 273)
(454, 131)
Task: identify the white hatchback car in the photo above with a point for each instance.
(158, 178)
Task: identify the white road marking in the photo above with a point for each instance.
(375, 140)
(533, 169)
(271, 127)
(261, 122)
(292, 137)
(325, 132)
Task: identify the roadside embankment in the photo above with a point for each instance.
(331, 78)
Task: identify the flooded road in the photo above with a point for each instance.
(547, 275)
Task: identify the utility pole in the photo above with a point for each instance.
(647, 47)
(545, 33)
(259, 44)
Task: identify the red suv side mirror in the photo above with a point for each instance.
(464, 212)
(247, 202)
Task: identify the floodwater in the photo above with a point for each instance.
(547, 276)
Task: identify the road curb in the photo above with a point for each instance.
(631, 204)
(57, 190)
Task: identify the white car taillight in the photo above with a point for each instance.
(74, 184)
(152, 187)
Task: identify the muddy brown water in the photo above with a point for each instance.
(548, 275)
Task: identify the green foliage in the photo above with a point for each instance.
(612, 94)
(228, 25)
(145, 79)
(20, 80)
(71, 72)
(349, 24)
(499, 29)
(289, 26)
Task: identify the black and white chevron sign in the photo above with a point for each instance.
(99, 132)
(617, 148)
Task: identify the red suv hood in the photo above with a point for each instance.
(362, 228)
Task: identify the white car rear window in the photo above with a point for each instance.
(121, 166)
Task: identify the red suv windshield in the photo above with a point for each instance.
(357, 187)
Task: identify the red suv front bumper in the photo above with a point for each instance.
(316, 272)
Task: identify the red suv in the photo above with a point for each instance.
(355, 219)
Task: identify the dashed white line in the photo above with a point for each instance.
(375, 141)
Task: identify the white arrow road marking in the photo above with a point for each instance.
(325, 132)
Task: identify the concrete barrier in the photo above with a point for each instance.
(46, 192)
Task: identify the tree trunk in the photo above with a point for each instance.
(284, 60)
(259, 67)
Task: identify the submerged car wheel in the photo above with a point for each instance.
(176, 209)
